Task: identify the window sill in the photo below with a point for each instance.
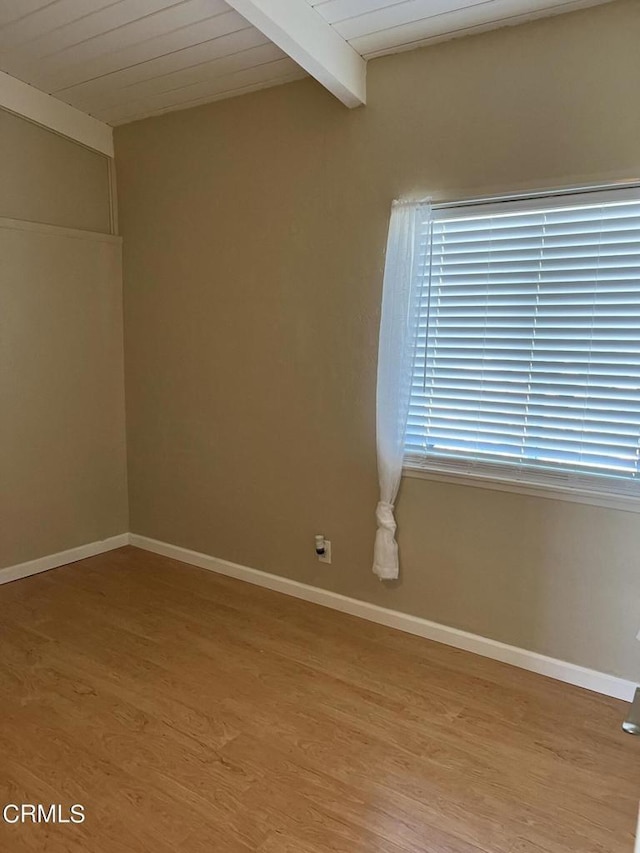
(625, 503)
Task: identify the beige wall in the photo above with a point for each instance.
(62, 436)
(47, 178)
(254, 235)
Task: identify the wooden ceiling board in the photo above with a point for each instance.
(119, 60)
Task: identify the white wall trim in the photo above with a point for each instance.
(53, 561)
(571, 673)
(37, 106)
(599, 682)
(304, 35)
(58, 230)
(623, 503)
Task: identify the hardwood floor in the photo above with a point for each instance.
(191, 712)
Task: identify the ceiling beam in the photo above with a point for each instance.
(308, 39)
(43, 109)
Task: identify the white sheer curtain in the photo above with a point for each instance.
(396, 352)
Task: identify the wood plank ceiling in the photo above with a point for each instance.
(121, 60)
(378, 27)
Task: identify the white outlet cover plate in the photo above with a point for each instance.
(326, 557)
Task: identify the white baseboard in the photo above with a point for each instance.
(53, 561)
(599, 682)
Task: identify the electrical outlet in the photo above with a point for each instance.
(326, 557)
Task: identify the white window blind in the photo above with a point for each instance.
(528, 359)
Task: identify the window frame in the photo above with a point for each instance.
(508, 480)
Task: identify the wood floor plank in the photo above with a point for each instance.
(193, 712)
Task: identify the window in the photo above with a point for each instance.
(528, 355)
